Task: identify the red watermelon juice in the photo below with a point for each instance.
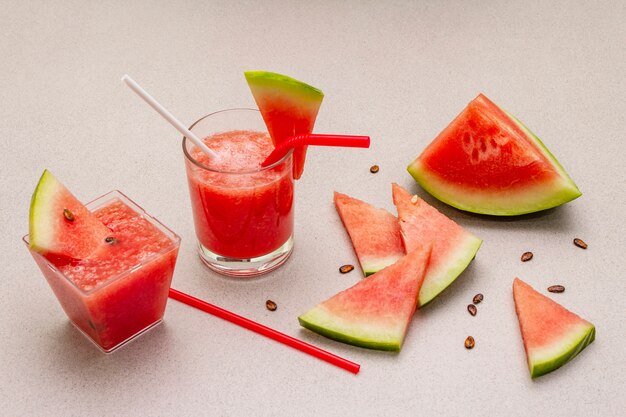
(243, 213)
(119, 292)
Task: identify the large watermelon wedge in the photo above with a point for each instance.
(486, 161)
(374, 313)
(289, 107)
(59, 225)
(552, 334)
(374, 232)
(453, 247)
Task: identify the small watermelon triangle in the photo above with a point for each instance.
(453, 247)
(552, 334)
(374, 313)
(60, 226)
(374, 232)
(289, 107)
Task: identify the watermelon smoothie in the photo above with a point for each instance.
(121, 290)
(243, 213)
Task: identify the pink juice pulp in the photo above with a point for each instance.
(240, 211)
(123, 288)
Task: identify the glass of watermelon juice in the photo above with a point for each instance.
(243, 213)
(120, 292)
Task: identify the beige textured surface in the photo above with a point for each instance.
(398, 71)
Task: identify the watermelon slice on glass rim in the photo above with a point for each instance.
(289, 107)
(552, 334)
(60, 226)
(486, 161)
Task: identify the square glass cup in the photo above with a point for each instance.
(125, 305)
(243, 219)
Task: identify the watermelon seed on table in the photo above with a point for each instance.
(270, 305)
(344, 269)
(374, 169)
(469, 342)
(69, 216)
(477, 298)
(526, 256)
(472, 309)
(556, 288)
(580, 243)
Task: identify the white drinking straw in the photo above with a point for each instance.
(167, 115)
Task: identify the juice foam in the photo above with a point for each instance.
(237, 150)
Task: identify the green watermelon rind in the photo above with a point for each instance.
(546, 152)
(283, 82)
(38, 235)
(457, 262)
(556, 193)
(561, 351)
(559, 192)
(370, 266)
(326, 324)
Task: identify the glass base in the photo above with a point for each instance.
(123, 343)
(250, 267)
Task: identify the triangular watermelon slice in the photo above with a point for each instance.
(453, 247)
(60, 226)
(289, 107)
(374, 313)
(486, 161)
(552, 334)
(374, 232)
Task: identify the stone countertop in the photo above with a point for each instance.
(398, 71)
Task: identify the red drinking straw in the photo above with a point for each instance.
(265, 331)
(348, 141)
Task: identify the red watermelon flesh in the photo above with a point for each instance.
(486, 161)
(552, 334)
(453, 247)
(374, 232)
(375, 312)
(60, 226)
(289, 107)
